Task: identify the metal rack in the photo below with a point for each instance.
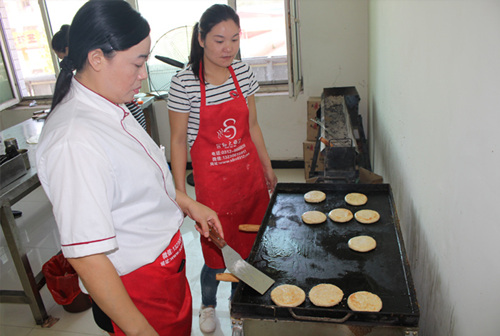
(342, 137)
(11, 194)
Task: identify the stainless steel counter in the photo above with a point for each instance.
(10, 194)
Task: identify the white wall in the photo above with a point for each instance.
(334, 40)
(434, 106)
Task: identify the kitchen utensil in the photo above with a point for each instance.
(239, 267)
(228, 277)
(249, 227)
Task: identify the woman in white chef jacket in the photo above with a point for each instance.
(110, 186)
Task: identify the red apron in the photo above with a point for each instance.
(228, 174)
(161, 291)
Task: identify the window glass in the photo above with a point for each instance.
(62, 12)
(29, 47)
(6, 92)
(263, 38)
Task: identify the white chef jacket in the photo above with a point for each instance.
(109, 183)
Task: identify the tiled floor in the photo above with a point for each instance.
(39, 236)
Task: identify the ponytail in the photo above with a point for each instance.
(196, 54)
(63, 81)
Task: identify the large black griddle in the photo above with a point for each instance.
(292, 252)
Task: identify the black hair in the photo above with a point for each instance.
(60, 39)
(109, 25)
(211, 17)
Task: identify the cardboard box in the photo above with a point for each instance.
(308, 147)
(368, 177)
(313, 104)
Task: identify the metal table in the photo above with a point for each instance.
(11, 194)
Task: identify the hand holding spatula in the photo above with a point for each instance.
(239, 267)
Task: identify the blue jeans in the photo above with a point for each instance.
(209, 285)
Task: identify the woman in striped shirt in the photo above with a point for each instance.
(212, 109)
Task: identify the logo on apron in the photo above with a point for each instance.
(229, 130)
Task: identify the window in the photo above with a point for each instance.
(28, 47)
(25, 25)
(29, 67)
(263, 39)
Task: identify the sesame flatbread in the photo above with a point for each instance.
(314, 196)
(325, 295)
(288, 296)
(364, 301)
(362, 243)
(356, 199)
(313, 217)
(367, 216)
(340, 215)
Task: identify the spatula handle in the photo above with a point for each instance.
(215, 237)
(249, 227)
(226, 277)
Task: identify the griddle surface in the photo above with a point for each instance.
(292, 252)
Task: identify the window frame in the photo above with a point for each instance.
(295, 80)
(9, 67)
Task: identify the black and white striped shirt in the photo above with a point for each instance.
(184, 95)
(137, 112)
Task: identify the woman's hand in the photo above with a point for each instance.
(271, 179)
(207, 218)
(201, 214)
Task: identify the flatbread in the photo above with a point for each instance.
(356, 199)
(325, 295)
(313, 217)
(366, 216)
(364, 301)
(314, 196)
(362, 243)
(288, 296)
(340, 215)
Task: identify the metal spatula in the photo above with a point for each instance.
(239, 267)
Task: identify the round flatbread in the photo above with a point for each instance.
(367, 216)
(362, 243)
(340, 215)
(313, 217)
(356, 199)
(288, 296)
(364, 301)
(314, 196)
(325, 295)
